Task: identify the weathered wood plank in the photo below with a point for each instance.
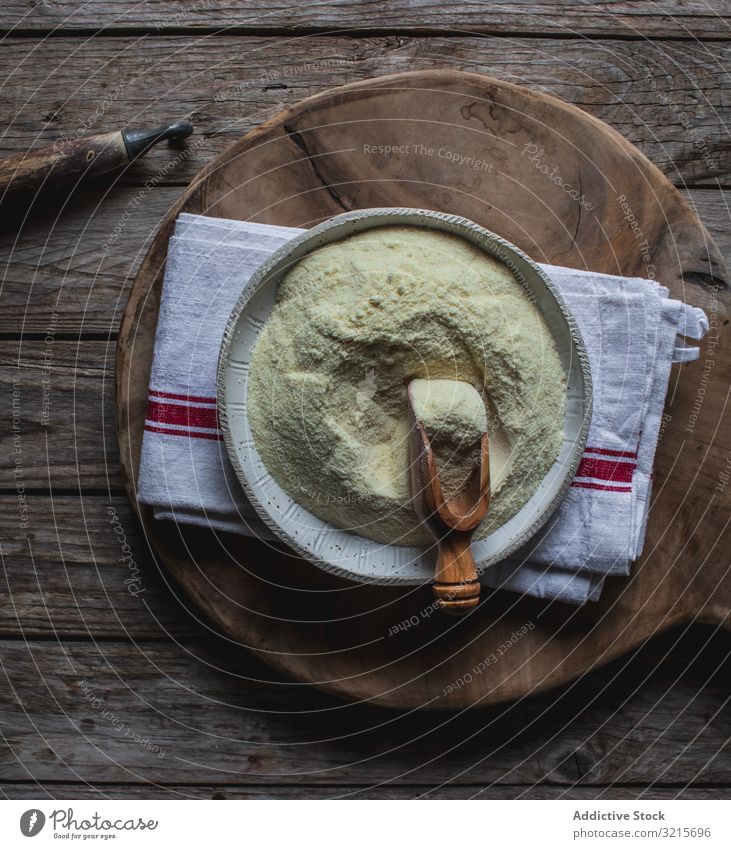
(193, 712)
(669, 98)
(62, 273)
(630, 18)
(51, 790)
(59, 415)
(81, 568)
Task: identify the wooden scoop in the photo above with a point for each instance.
(451, 522)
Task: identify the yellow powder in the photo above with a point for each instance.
(453, 416)
(353, 324)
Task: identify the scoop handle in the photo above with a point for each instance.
(456, 584)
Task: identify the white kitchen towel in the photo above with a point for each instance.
(630, 328)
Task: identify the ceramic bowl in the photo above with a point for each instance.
(341, 552)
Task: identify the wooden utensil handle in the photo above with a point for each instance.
(456, 584)
(63, 161)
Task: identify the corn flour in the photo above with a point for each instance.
(353, 324)
(453, 415)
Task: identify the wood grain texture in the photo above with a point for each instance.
(630, 18)
(217, 715)
(82, 568)
(312, 162)
(669, 98)
(68, 269)
(98, 790)
(64, 272)
(59, 422)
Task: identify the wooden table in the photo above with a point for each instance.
(110, 685)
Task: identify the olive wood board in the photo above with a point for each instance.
(568, 190)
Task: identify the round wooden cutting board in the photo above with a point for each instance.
(568, 190)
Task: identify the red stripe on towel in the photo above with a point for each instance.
(193, 399)
(190, 433)
(180, 414)
(605, 470)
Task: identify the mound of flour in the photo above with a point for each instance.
(353, 324)
(454, 419)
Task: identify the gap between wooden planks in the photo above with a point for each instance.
(629, 18)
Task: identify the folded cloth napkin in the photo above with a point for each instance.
(630, 328)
